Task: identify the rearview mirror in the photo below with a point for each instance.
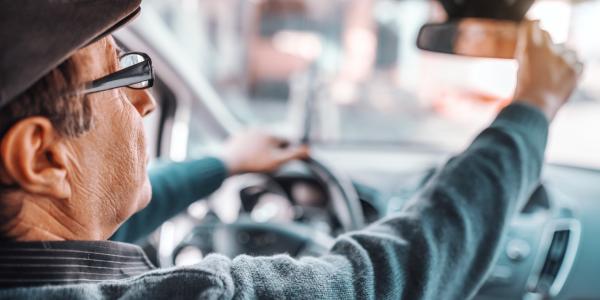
(471, 37)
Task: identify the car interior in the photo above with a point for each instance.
(384, 92)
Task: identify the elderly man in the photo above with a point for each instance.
(73, 169)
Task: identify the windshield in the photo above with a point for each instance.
(349, 73)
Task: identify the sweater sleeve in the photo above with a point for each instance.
(439, 246)
(174, 187)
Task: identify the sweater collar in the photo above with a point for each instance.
(43, 263)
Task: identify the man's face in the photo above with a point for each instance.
(107, 166)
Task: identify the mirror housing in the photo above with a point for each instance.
(473, 37)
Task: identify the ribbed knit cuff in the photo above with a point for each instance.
(525, 114)
(526, 120)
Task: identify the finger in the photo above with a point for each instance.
(572, 59)
(279, 142)
(522, 37)
(538, 37)
(547, 38)
(300, 152)
(528, 35)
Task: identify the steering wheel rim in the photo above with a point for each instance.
(341, 193)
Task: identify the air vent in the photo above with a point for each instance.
(558, 250)
(554, 261)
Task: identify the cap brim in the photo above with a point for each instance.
(38, 35)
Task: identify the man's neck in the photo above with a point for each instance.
(39, 219)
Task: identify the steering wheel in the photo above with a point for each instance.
(341, 193)
(245, 236)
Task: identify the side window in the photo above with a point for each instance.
(190, 120)
(181, 127)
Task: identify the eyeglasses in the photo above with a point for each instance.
(136, 72)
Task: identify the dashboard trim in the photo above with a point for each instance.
(574, 227)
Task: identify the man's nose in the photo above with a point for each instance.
(142, 100)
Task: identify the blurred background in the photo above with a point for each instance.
(347, 73)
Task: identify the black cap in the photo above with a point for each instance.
(38, 35)
(513, 10)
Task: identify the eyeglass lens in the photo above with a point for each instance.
(129, 60)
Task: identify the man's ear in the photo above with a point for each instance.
(34, 158)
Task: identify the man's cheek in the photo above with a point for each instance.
(145, 195)
(144, 160)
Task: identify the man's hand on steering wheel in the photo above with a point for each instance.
(255, 151)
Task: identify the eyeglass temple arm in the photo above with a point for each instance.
(131, 75)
